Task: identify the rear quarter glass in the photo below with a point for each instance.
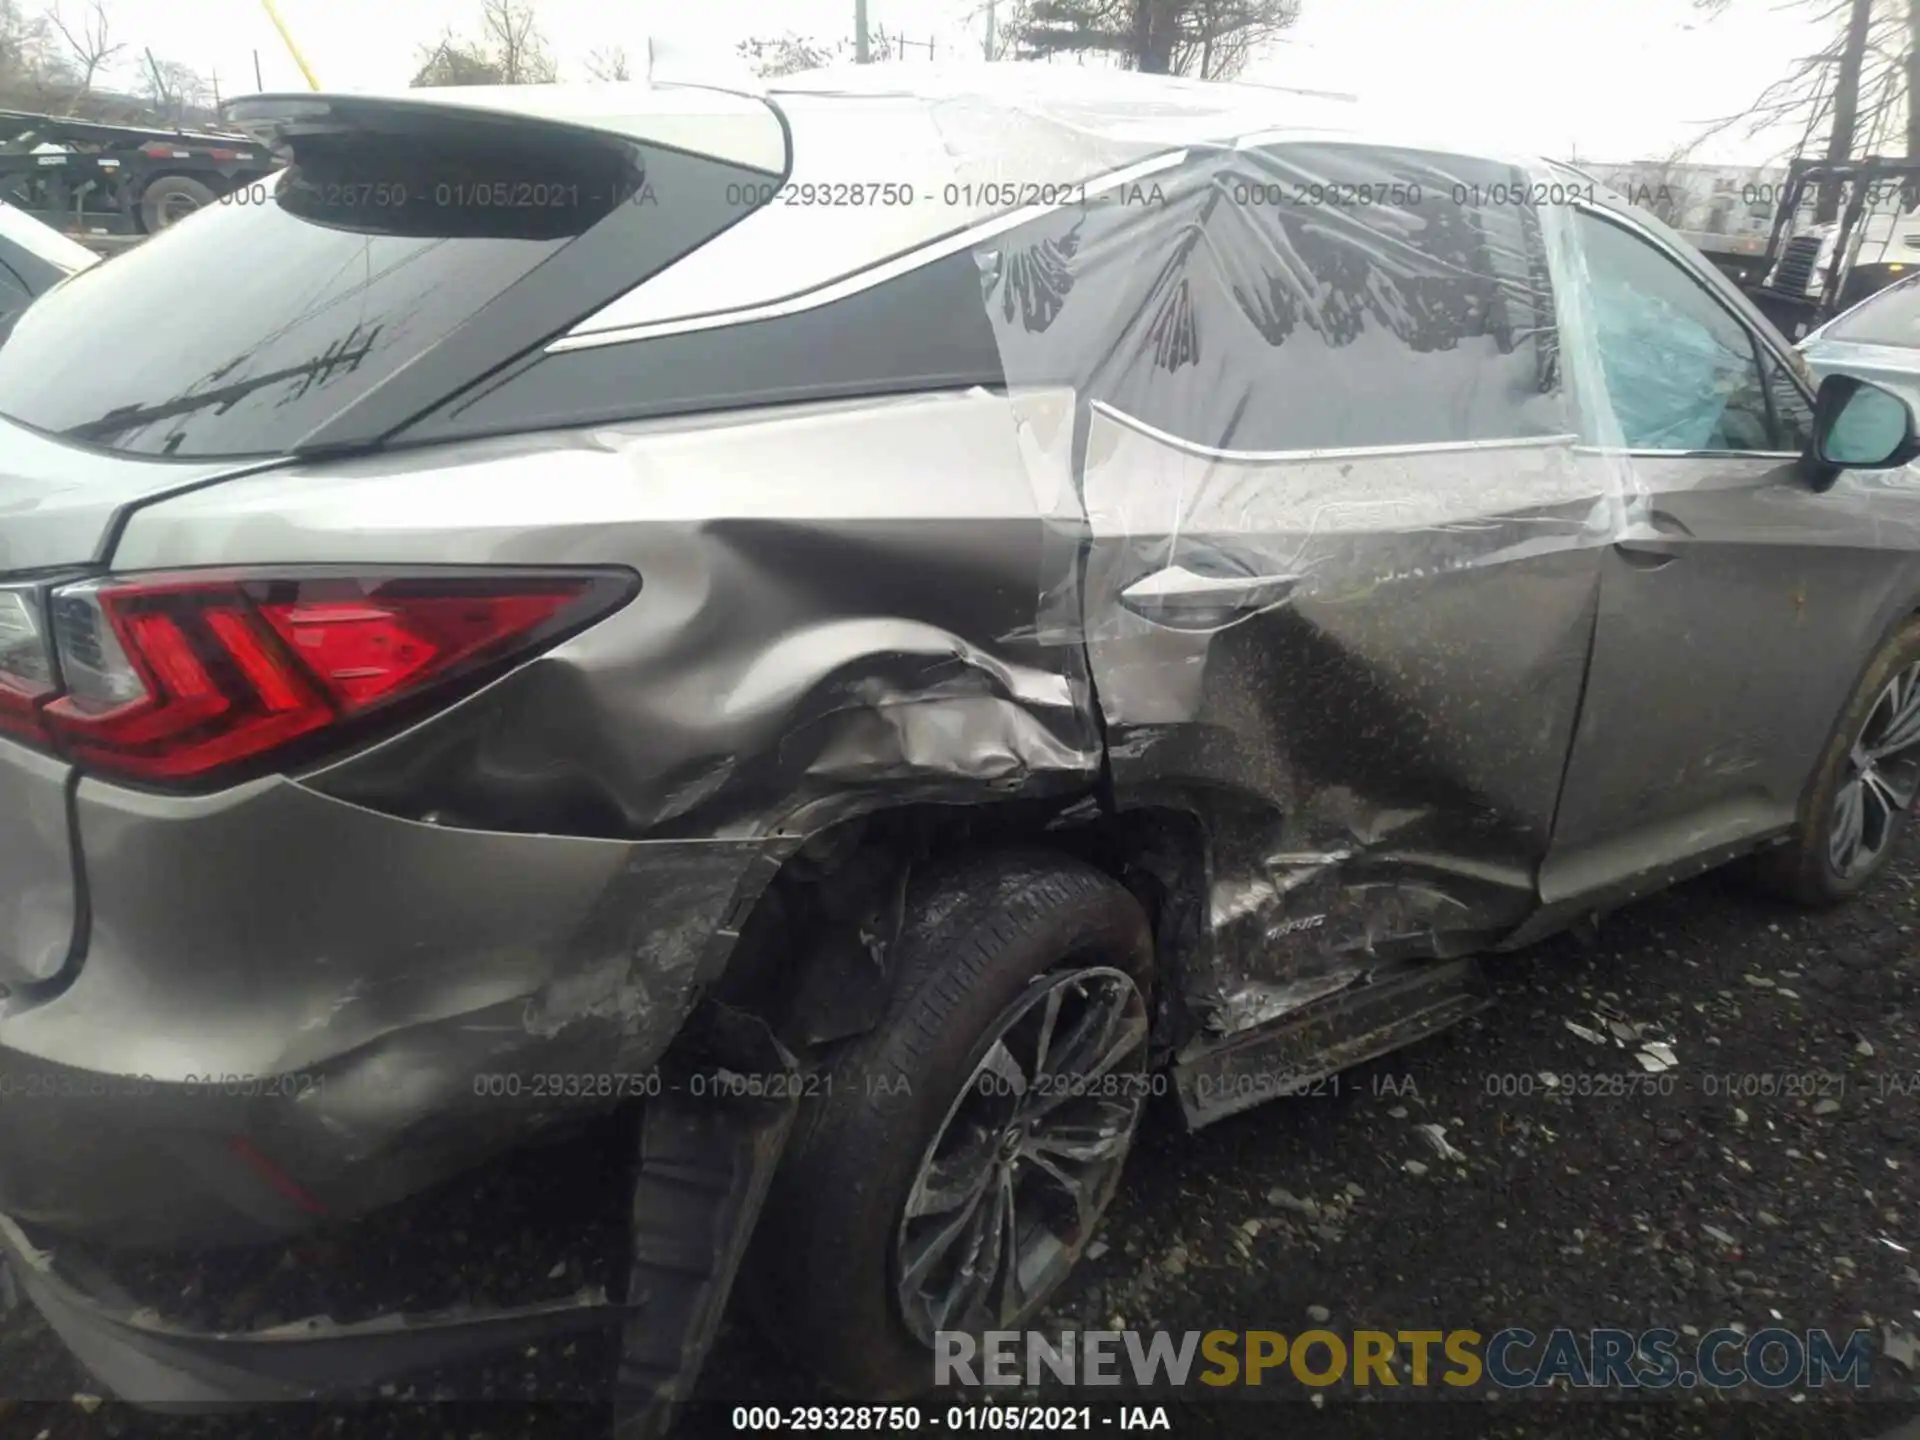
(261, 319)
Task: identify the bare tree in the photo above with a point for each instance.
(510, 50)
(44, 70)
(787, 55)
(1847, 92)
(452, 61)
(610, 64)
(174, 90)
(1210, 39)
(87, 41)
(512, 35)
(1219, 37)
(28, 62)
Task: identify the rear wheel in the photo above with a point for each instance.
(953, 1170)
(1857, 803)
(170, 199)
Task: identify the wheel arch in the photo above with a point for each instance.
(813, 954)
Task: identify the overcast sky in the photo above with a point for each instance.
(1624, 80)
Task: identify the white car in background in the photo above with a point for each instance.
(33, 259)
(1878, 340)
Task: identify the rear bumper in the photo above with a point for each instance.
(292, 1010)
(143, 1359)
(688, 1208)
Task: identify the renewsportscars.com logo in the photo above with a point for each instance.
(1511, 1359)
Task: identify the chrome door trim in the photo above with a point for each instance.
(1345, 452)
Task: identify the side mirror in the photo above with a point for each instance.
(1858, 425)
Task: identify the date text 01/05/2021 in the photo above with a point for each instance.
(733, 1084)
(1807, 1085)
(372, 195)
(907, 1419)
(883, 194)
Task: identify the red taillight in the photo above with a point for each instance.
(173, 677)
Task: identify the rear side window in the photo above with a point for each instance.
(250, 325)
(1890, 318)
(1301, 297)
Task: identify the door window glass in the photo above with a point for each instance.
(1681, 373)
(1304, 296)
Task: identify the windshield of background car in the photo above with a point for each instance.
(249, 324)
(1890, 318)
(43, 241)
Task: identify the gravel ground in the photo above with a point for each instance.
(1761, 1188)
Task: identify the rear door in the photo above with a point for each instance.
(1341, 578)
(1738, 606)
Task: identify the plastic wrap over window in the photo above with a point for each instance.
(1670, 379)
(1287, 345)
(1680, 372)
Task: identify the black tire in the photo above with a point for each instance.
(170, 199)
(1801, 870)
(978, 934)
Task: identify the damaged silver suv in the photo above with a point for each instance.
(874, 628)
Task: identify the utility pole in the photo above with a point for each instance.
(988, 55)
(163, 97)
(259, 85)
(860, 55)
(214, 79)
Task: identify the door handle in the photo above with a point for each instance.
(1181, 599)
(1660, 549)
(1649, 554)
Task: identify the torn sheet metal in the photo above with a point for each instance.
(813, 638)
(539, 880)
(1337, 517)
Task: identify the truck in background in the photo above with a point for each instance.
(112, 185)
(1814, 270)
(1758, 225)
(1724, 211)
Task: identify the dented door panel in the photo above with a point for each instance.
(1377, 755)
(1342, 554)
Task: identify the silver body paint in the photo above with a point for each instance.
(1450, 697)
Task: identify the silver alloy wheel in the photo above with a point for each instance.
(1017, 1175)
(1881, 779)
